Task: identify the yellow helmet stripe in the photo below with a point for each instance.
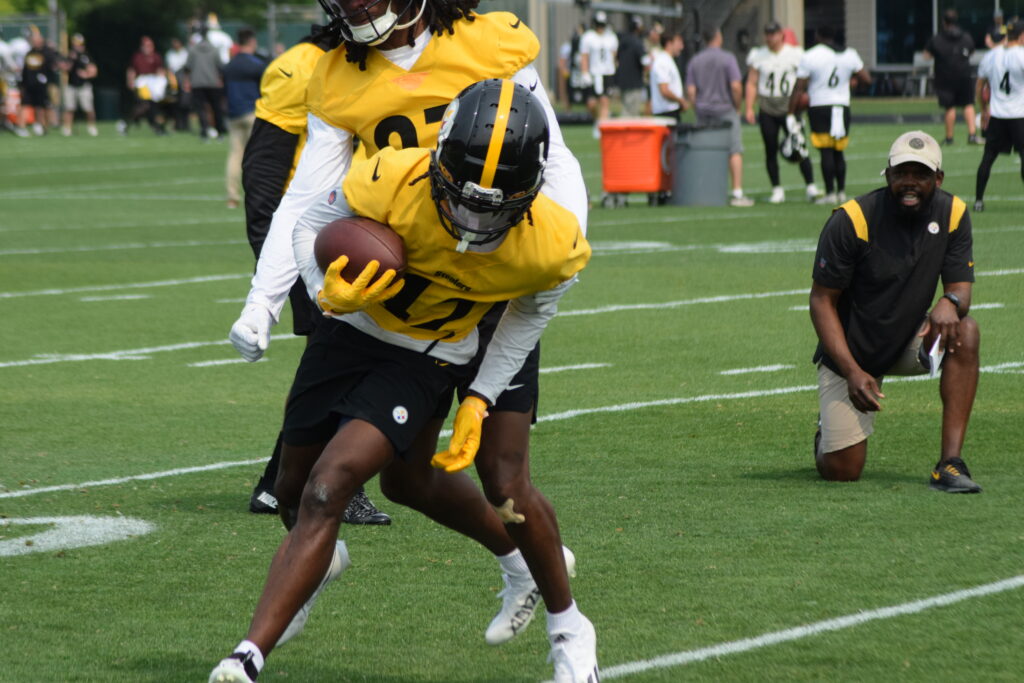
(498, 135)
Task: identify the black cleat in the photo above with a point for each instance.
(979, 206)
(975, 140)
(947, 142)
(953, 476)
(361, 511)
(262, 501)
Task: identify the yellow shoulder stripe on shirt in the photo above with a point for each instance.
(860, 224)
(959, 207)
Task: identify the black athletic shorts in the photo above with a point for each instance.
(958, 93)
(347, 373)
(1002, 135)
(35, 95)
(820, 119)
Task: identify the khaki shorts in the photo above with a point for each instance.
(78, 97)
(842, 425)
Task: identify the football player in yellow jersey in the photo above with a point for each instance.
(384, 365)
(399, 65)
(278, 135)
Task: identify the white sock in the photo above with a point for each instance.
(570, 620)
(246, 647)
(737, 192)
(514, 563)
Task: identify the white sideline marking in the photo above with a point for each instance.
(759, 368)
(974, 307)
(129, 285)
(139, 223)
(116, 297)
(126, 354)
(685, 302)
(579, 366)
(224, 361)
(818, 627)
(119, 247)
(565, 415)
(71, 532)
(136, 477)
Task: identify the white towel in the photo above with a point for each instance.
(838, 128)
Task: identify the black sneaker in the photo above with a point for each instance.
(979, 206)
(947, 142)
(361, 511)
(953, 476)
(262, 501)
(975, 140)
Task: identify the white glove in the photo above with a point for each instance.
(586, 79)
(250, 335)
(793, 124)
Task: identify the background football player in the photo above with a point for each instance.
(431, 50)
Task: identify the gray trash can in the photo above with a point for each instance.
(108, 103)
(700, 167)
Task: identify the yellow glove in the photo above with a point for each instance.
(465, 436)
(338, 296)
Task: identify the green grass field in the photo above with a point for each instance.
(687, 492)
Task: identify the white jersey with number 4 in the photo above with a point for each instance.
(828, 72)
(600, 48)
(1004, 70)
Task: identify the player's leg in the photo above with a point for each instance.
(949, 119)
(357, 452)
(828, 171)
(770, 130)
(995, 140)
(841, 443)
(958, 387)
(452, 500)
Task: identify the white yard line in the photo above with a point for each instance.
(129, 285)
(122, 247)
(759, 368)
(553, 417)
(808, 630)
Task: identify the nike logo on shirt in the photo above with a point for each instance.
(516, 25)
(286, 74)
(376, 176)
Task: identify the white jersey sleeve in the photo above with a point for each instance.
(324, 162)
(563, 177)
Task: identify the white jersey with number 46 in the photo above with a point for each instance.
(828, 72)
(1004, 70)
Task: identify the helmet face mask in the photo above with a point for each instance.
(361, 26)
(489, 162)
(794, 147)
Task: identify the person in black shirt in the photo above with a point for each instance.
(951, 48)
(78, 92)
(633, 61)
(879, 259)
(37, 74)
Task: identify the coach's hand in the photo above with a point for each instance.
(250, 335)
(338, 296)
(465, 436)
(864, 391)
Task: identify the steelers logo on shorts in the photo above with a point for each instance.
(400, 414)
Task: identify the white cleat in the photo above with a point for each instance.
(519, 600)
(812, 192)
(233, 670)
(339, 563)
(575, 655)
(778, 196)
(826, 199)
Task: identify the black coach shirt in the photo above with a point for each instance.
(888, 267)
(952, 49)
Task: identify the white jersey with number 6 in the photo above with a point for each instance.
(1004, 70)
(828, 72)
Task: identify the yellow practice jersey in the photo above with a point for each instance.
(282, 99)
(390, 106)
(447, 292)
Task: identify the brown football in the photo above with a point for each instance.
(362, 240)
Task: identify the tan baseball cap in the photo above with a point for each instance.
(916, 146)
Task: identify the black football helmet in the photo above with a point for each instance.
(488, 165)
